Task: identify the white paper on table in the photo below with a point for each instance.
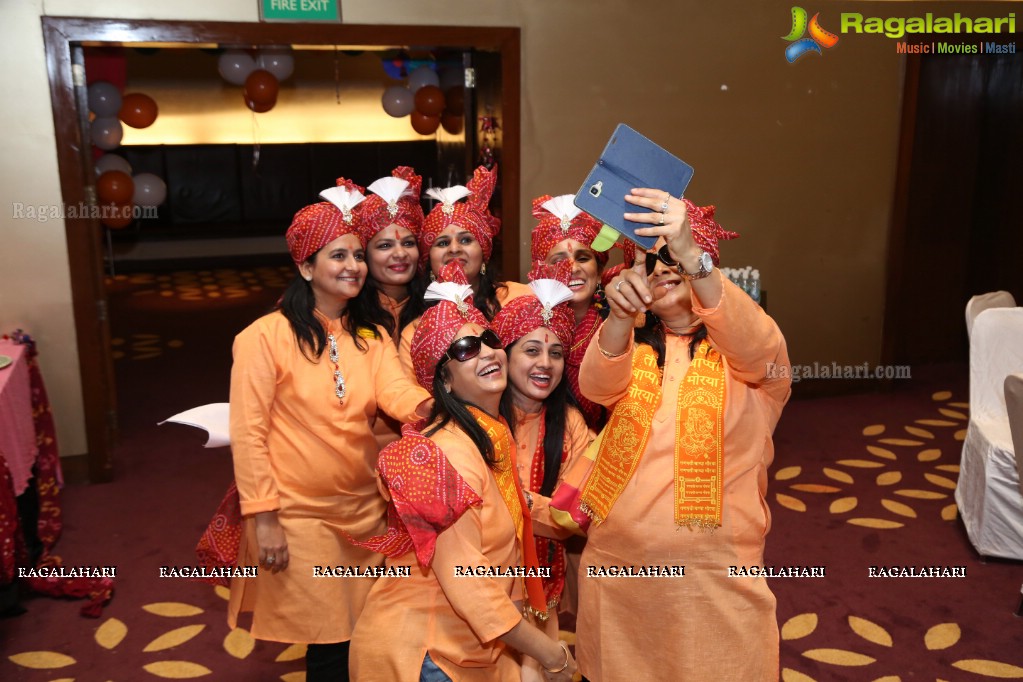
(213, 418)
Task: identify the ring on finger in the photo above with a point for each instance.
(270, 560)
(664, 206)
(618, 287)
(661, 219)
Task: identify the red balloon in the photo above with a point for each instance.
(455, 98)
(452, 123)
(260, 108)
(138, 110)
(423, 124)
(261, 87)
(429, 100)
(117, 215)
(115, 187)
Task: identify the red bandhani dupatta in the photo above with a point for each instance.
(218, 547)
(594, 414)
(427, 496)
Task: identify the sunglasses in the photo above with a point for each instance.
(664, 256)
(468, 347)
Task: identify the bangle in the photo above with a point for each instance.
(611, 356)
(529, 500)
(567, 657)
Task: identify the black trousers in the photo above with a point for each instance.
(327, 662)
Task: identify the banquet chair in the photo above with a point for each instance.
(988, 493)
(214, 418)
(978, 304)
(1014, 405)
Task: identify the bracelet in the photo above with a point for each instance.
(611, 356)
(567, 657)
(529, 500)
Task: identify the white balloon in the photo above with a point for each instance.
(104, 99)
(235, 66)
(106, 133)
(277, 60)
(421, 76)
(398, 101)
(150, 190)
(112, 162)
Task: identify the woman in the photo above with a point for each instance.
(456, 508)
(565, 234)
(390, 220)
(305, 382)
(682, 477)
(463, 231)
(549, 431)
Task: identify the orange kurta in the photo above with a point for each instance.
(706, 624)
(457, 620)
(297, 451)
(506, 293)
(387, 429)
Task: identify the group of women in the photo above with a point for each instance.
(405, 413)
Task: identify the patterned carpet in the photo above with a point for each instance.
(858, 482)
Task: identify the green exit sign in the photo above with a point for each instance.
(300, 10)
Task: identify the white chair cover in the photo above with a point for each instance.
(215, 418)
(1014, 405)
(988, 493)
(978, 304)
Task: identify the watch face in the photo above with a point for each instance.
(706, 262)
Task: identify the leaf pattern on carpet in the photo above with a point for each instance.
(928, 486)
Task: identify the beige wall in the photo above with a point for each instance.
(799, 158)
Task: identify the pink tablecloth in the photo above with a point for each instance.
(18, 442)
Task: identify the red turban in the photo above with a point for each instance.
(315, 226)
(560, 219)
(471, 214)
(395, 200)
(439, 324)
(547, 307)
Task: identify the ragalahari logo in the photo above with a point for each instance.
(819, 37)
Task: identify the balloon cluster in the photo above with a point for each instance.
(428, 100)
(117, 190)
(259, 75)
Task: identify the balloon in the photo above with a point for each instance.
(429, 100)
(235, 66)
(138, 110)
(150, 190)
(104, 99)
(278, 61)
(398, 101)
(452, 123)
(106, 133)
(110, 162)
(455, 100)
(422, 76)
(117, 215)
(261, 87)
(259, 108)
(451, 77)
(423, 124)
(115, 187)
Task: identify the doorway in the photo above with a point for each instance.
(65, 38)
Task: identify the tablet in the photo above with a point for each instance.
(629, 160)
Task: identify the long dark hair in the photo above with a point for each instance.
(448, 407)
(375, 312)
(298, 303)
(556, 405)
(485, 299)
(652, 334)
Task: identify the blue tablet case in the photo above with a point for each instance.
(630, 160)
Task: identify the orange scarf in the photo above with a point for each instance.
(511, 491)
(699, 439)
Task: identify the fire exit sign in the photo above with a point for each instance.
(300, 10)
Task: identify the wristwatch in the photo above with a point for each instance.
(706, 267)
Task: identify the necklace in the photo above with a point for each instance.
(685, 331)
(339, 380)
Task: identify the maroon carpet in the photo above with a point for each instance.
(834, 502)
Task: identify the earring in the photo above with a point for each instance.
(308, 278)
(483, 269)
